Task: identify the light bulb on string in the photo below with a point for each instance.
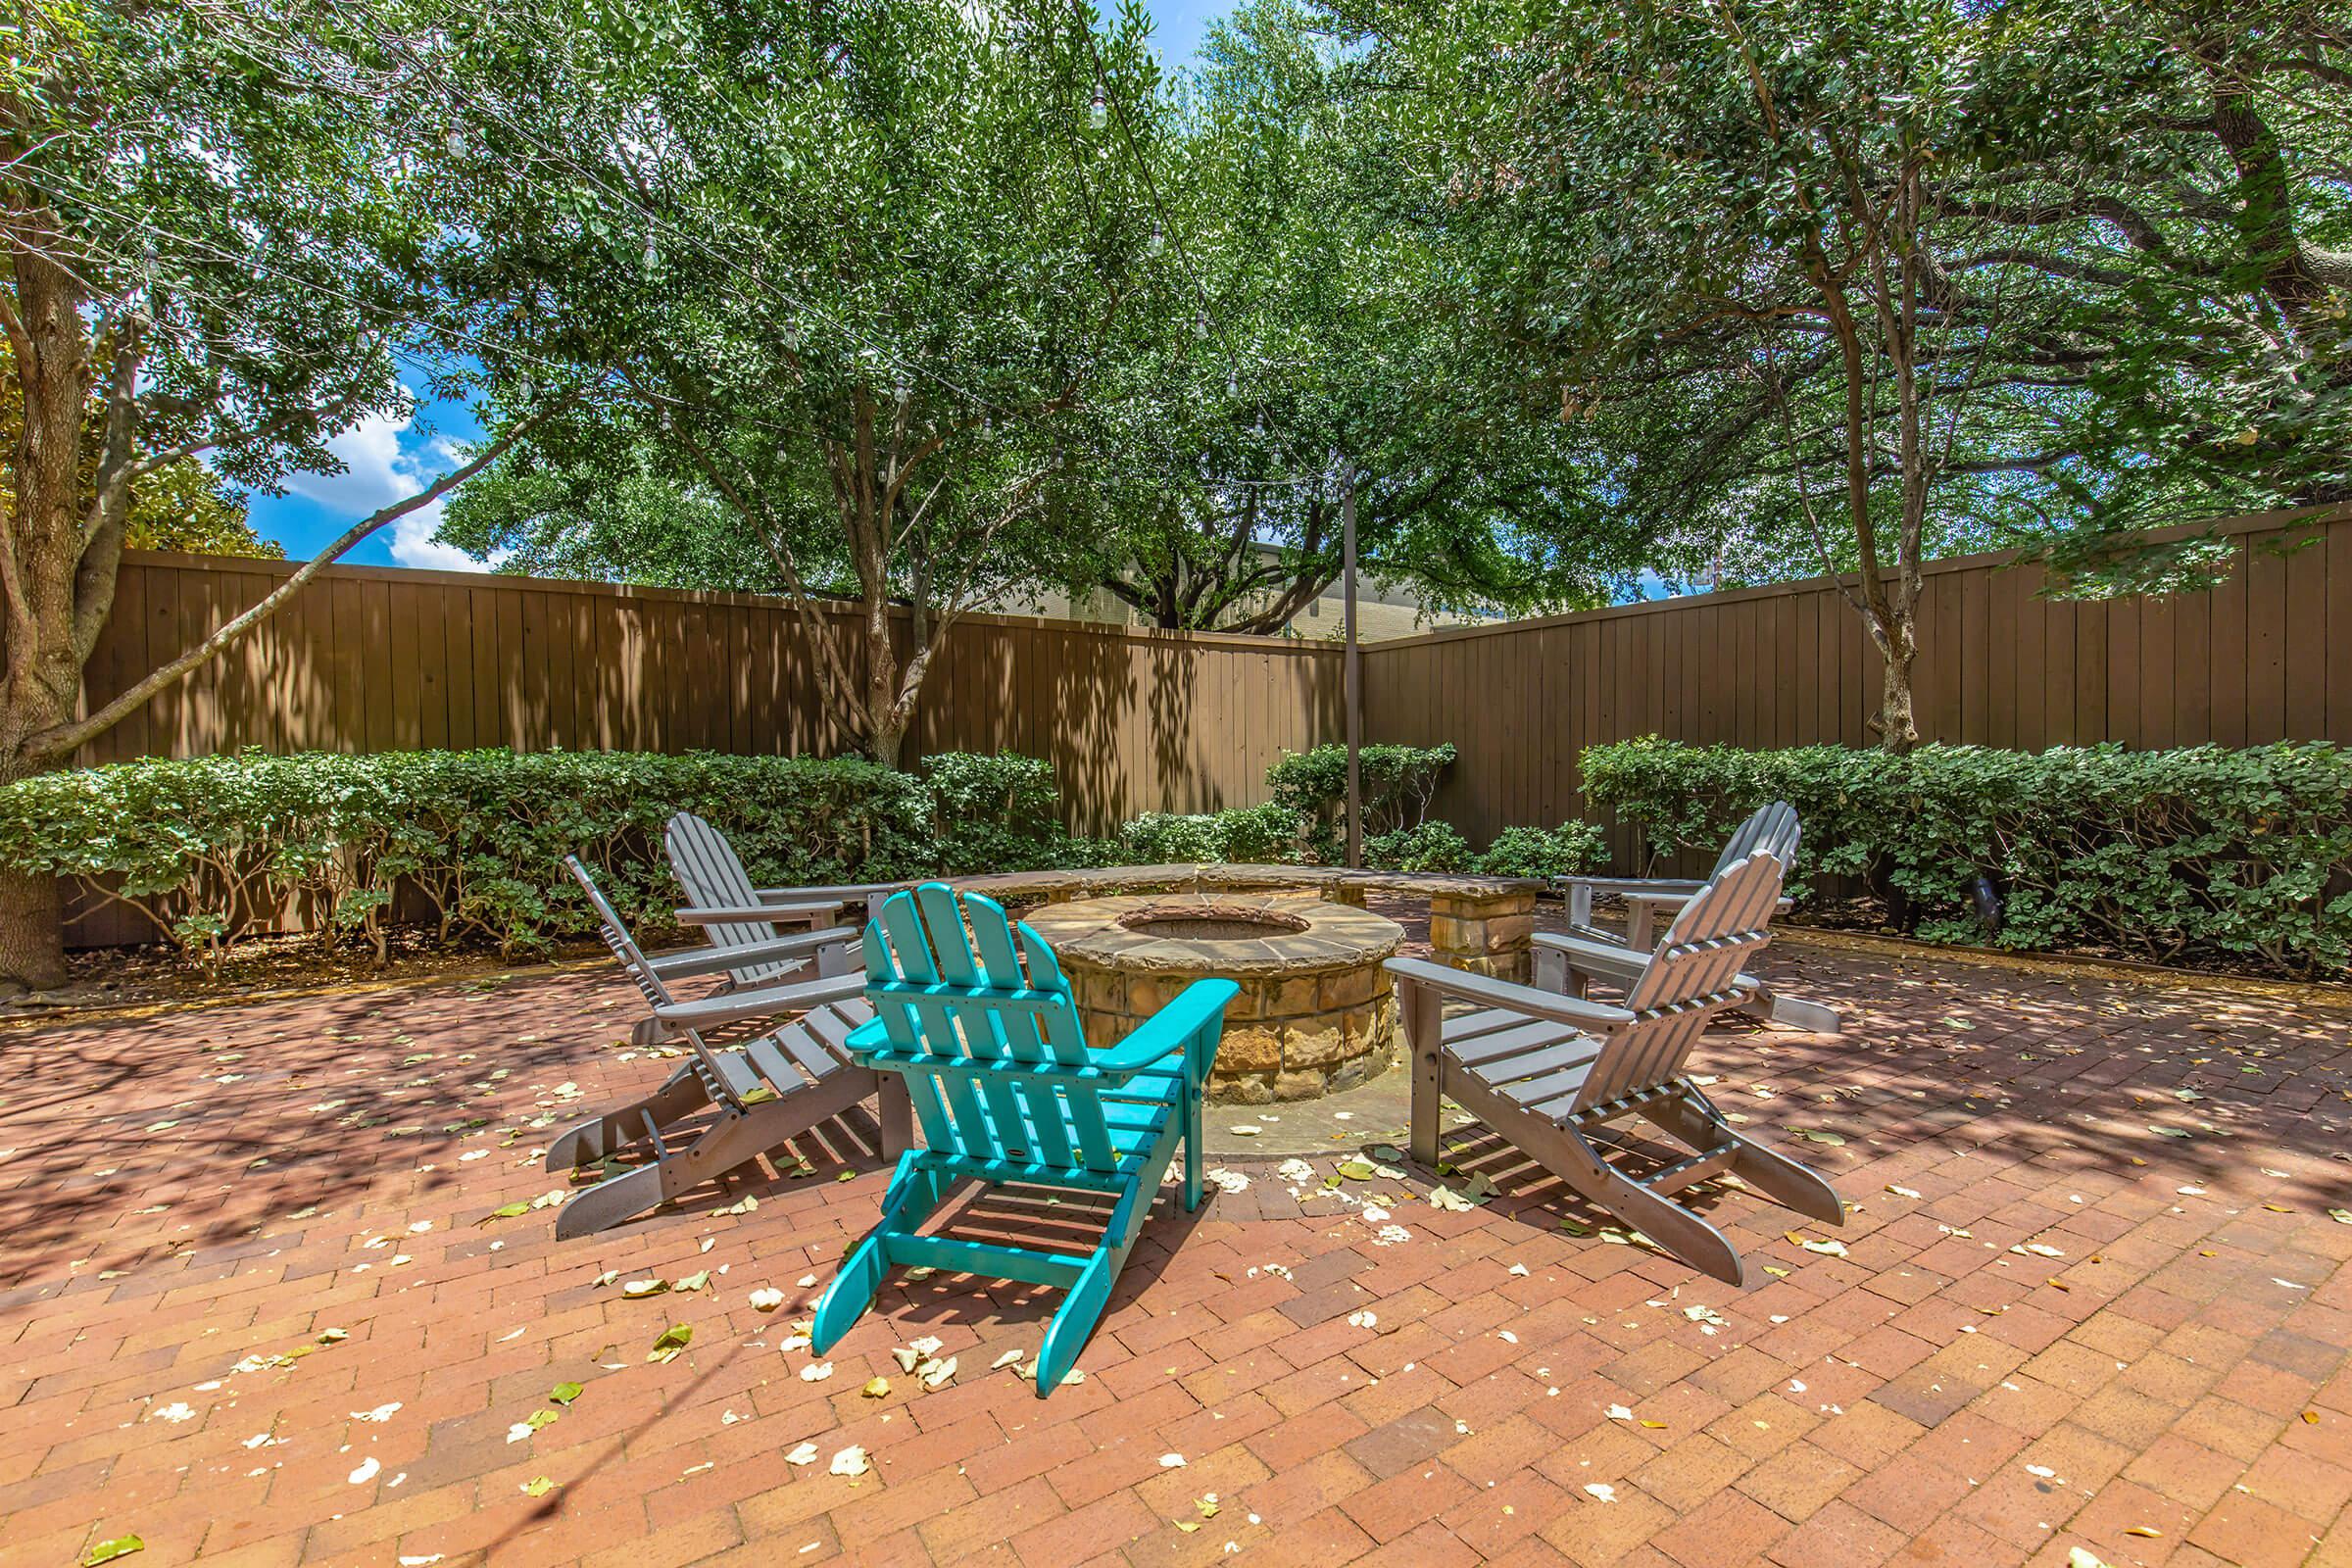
(792, 334)
(454, 140)
(1158, 242)
(1098, 114)
(652, 256)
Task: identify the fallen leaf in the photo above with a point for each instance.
(564, 1392)
(108, 1550)
(537, 1486)
(675, 1340)
(851, 1461)
(875, 1388)
(800, 1454)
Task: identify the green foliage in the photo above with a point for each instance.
(209, 849)
(1397, 781)
(185, 505)
(1266, 834)
(2171, 855)
(1542, 852)
(1707, 223)
(1425, 847)
(994, 813)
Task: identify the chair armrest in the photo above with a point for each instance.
(1510, 996)
(1183, 1022)
(835, 891)
(765, 1002)
(719, 959)
(759, 913)
(1595, 957)
(1634, 885)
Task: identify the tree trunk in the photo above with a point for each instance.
(1897, 722)
(32, 939)
(885, 744)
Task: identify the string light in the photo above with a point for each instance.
(1097, 114)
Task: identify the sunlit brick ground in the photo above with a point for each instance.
(188, 1192)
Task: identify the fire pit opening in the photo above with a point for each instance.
(1212, 924)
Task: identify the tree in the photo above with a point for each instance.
(854, 264)
(211, 252)
(1849, 285)
(1308, 337)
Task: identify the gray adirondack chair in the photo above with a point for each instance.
(1549, 1071)
(1569, 963)
(720, 898)
(775, 1080)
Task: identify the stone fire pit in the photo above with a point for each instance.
(1317, 1014)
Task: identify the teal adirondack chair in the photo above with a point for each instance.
(1007, 1092)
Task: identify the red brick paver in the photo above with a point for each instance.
(258, 1306)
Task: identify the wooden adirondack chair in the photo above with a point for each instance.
(1547, 1072)
(720, 898)
(1568, 963)
(770, 1085)
(1007, 1092)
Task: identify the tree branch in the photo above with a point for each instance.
(64, 739)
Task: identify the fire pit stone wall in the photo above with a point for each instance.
(1316, 1012)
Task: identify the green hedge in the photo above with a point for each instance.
(209, 849)
(2200, 854)
(1396, 782)
(1258, 835)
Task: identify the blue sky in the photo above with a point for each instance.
(388, 458)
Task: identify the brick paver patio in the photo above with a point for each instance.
(258, 1306)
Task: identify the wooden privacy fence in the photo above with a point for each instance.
(372, 660)
(376, 659)
(2266, 655)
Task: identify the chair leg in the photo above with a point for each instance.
(1193, 1152)
(1693, 1118)
(1794, 1012)
(1564, 1151)
(611, 1202)
(915, 1191)
(682, 1095)
(1423, 1019)
(1075, 1319)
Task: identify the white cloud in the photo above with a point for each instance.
(378, 471)
(414, 545)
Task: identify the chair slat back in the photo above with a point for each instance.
(1688, 977)
(1002, 1071)
(617, 937)
(712, 876)
(1772, 828)
(656, 994)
